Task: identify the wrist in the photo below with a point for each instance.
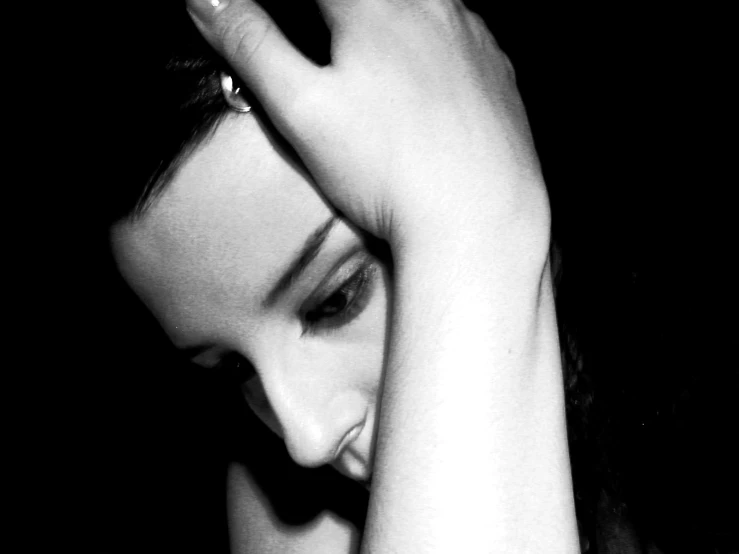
(473, 410)
(511, 228)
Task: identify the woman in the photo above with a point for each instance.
(316, 335)
(242, 262)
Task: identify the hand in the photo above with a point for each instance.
(416, 127)
(416, 123)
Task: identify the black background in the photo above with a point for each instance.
(630, 113)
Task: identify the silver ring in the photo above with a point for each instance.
(232, 95)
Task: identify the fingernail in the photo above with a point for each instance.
(204, 10)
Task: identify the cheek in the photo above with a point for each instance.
(258, 402)
(327, 367)
(365, 343)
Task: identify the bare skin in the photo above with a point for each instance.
(417, 134)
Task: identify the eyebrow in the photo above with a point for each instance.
(300, 262)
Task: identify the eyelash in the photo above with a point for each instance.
(356, 291)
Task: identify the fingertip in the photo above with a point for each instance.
(256, 49)
(203, 11)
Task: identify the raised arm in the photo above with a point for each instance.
(417, 133)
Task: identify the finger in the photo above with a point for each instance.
(338, 14)
(244, 34)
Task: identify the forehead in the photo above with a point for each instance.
(232, 217)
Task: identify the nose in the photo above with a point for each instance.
(312, 444)
(318, 416)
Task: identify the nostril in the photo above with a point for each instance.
(350, 436)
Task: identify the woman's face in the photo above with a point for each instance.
(246, 267)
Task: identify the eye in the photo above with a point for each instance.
(342, 304)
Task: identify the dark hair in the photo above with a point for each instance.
(173, 105)
(175, 102)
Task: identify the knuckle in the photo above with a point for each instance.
(452, 14)
(480, 28)
(508, 64)
(474, 17)
(448, 11)
(511, 70)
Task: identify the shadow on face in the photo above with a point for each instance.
(249, 271)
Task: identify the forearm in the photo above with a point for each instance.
(472, 445)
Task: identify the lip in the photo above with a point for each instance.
(349, 438)
(351, 465)
(355, 456)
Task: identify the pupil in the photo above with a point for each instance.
(335, 304)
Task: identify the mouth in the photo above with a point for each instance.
(352, 466)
